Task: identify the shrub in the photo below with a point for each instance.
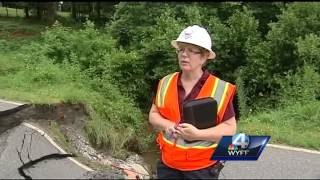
(302, 86)
(308, 50)
(88, 57)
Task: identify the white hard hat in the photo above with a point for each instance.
(195, 35)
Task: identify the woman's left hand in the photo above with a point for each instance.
(187, 131)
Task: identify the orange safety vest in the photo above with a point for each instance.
(181, 155)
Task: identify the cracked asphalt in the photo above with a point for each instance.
(32, 145)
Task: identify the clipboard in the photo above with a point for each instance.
(202, 113)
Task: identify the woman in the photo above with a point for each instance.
(179, 157)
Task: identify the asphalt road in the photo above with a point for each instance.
(7, 107)
(275, 163)
(4, 106)
(33, 147)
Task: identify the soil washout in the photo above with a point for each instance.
(71, 119)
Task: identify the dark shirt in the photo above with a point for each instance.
(229, 113)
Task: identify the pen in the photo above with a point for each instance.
(175, 126)
(171, 135)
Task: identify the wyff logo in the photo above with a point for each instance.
(240, 147)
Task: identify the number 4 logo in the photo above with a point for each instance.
(241, 140)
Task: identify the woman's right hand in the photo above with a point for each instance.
(171, 130)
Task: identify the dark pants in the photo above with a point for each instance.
(165, 172)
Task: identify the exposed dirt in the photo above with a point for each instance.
(18, 34)
(22, 34)
(71, 119)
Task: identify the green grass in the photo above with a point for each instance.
(19, 28)
(46, 83)
(295, 125)
(14, 65)
(12, 12)
(43, 94)
(63, 14)
(59, 136)
(18, 24)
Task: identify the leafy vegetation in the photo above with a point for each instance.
(114, 69)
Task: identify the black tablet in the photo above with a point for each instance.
(201, 113)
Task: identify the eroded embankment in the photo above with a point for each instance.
(70, 120)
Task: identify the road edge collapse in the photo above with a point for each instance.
(56, 145)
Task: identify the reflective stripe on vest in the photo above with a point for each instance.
(181, 143)
(163, 87)
(219, 92)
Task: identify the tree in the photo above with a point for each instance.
(50, 12)
(308, 50)
(265, 12)
(278, 55)
(232, 42)
(73, 10)
(132, 22)
(26, 11)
